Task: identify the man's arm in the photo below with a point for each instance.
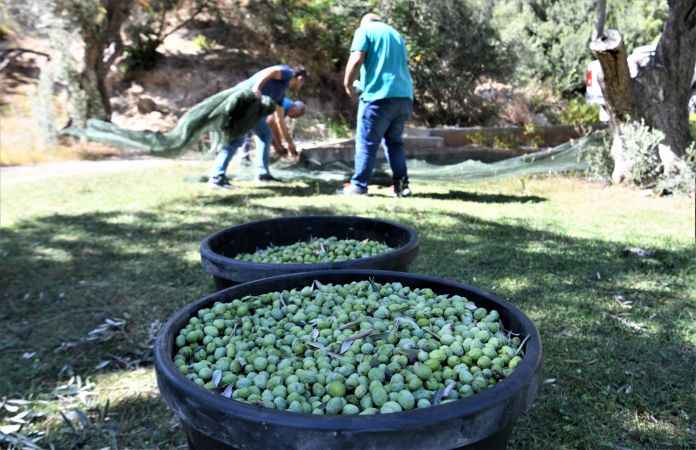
(275, 135)
(355, 61)
(271, 73)
(284, 132)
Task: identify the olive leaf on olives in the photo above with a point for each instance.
(443, 393)
(399, 320)
(217, 377)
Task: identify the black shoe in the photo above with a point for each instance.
(220, 181)
(266, 177)
(401, 187)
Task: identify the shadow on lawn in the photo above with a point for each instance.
(612, 363)
(308, 188)
(141, 422)
(614, 342)
(318, 187)
(67, 274)
(482, 198)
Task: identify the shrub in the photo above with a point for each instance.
(451, 47)
(597, 155)
(141, 53)
(578, 112)
(641, 147)
(203, 43)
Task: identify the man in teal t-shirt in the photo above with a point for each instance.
(386, 101)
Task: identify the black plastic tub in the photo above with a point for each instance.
(482, 421)
(219, 249)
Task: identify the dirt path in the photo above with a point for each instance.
(22, 174)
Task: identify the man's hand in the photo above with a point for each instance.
(355, 61)
(292, 149)
(350, 91)
(279, 149)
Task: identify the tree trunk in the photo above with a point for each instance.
(97, 64)
(617, 88)
(664, 86)
(83, 50)
(617, 85)
(660, 92)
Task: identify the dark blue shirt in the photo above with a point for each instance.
(274, 88)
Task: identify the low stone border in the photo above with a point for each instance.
(440, 145)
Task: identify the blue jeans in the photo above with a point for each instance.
(381, 119)
(262, 134)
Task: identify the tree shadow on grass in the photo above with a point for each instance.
(614, 329)
(483, 198)
(140, 421)
(612, 361)
(65, 275)
(320, 187)
(306, 189)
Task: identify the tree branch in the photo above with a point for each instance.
(198, 10)
(8, 55)
(601, 18)
(6, 52)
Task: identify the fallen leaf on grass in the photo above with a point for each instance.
(10, 429)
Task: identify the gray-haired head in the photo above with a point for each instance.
(370, 17)
(297, 109)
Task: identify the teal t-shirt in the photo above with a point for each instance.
(384, 73)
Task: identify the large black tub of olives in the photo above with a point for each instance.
(219, 251)
(481, 421)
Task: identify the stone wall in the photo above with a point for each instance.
(459, 144)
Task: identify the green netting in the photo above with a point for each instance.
(232, 113)
(226, 115)
(560, 159)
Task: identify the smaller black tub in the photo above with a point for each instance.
(218, 250)
(482, 422)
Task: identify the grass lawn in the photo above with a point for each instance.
(91, 265)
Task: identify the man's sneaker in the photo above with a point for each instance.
(266, 177)
(401, 187)
(220, 181)
(351, 189)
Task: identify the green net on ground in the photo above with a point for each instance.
(563, 158)
(232, 113)
(226, 115)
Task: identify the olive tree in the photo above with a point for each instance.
(551, 36)
(660, 92)
(85, 37)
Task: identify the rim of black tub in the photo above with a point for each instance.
(514, 392)
(411, 244)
